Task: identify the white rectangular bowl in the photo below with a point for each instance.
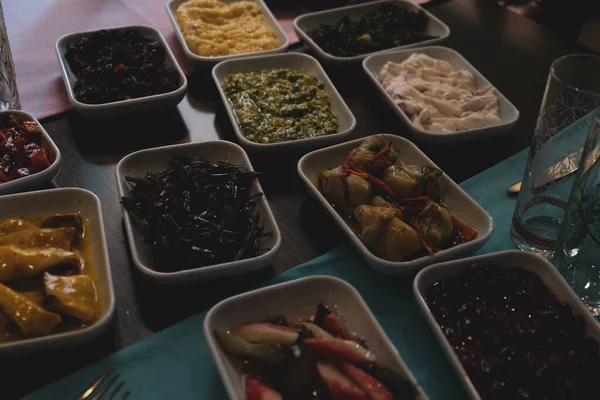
(124, 106)
(508, 112)
(39, 179)
(290, 300)
(198, 61)
(299, 63)
(310, 21)
(504, 259)
(461, 204)
(59, 201)
(156, 159)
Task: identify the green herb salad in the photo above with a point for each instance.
(279, 105)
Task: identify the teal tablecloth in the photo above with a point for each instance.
(176, 363)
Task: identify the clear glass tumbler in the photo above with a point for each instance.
(572, 94)
(577, 251)
(9, 96)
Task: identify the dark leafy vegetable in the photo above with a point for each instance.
(390, 26)
(200, 211)
(278, 105)
(114, 65)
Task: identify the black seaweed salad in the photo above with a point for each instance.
(197, 213)
(390, 26)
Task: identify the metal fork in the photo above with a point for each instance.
(106, 388)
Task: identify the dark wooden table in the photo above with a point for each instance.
(512, 52)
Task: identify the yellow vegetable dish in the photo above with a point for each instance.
(45, 282)
(213, 28)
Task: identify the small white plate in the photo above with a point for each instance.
(310, 21)
(504, 259)
(508, 112)
(39, 179)
(290, 300)
(296, 62)
(124, 106)
(60, 201)
(197, 61)
(140, 162)
(461, 204)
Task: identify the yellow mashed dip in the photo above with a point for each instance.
(213, 28)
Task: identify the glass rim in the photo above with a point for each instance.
(575, 88)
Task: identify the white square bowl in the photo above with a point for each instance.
(59, 201)
(198, 61)
(299, 63)
(124, 106)
(310, 21)
(504, 259)
(39, 179)
(461, 204)
(156, 159)
(508, 112)
(290, 300)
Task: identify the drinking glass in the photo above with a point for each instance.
(577, 251)
(572, 94)
(9, 96)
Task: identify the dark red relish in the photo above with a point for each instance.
(21, 151)
(122, 64)
(514, 338)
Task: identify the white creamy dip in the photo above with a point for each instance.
(437, 98)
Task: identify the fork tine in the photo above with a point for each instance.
(106, 387)
(93, 386)
(125, 395)
(114, 392)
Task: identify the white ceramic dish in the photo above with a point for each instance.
(140, 162)
(125, 106)
(508, 112)
(290, 300)
(87, 204)
(461, 204)
(39, 179)
(195, 60)
(505, 259)
(310, 21)
(295, 62)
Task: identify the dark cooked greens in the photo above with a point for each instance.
(278, 105)
(197, 212)
(119, 64)
(390, 26)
